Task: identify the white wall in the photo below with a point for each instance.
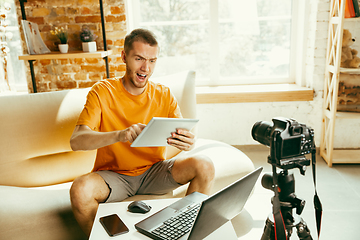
(232, 123)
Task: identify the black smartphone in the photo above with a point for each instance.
(113, 225)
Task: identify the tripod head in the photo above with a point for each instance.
(286, 185)
(300, 162)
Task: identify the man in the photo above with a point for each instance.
(113, 116)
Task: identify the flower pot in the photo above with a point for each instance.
(63, 48)
(89, 46)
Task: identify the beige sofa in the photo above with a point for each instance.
(37, 164)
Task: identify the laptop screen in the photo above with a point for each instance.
(223, 206)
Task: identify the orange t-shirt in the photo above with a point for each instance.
(110, 107)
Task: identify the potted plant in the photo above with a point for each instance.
(62, 34)
(88, 40)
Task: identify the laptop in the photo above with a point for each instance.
(206, 213)
(157, 131)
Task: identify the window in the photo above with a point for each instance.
(10, 37)
(225, 41)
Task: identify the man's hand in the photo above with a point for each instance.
(182, 139)
(131, 133)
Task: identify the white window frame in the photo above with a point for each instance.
(298, 44)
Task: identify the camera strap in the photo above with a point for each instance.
(317, 203)
(279, 225)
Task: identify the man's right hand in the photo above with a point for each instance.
(131, 133)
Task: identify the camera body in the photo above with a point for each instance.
(289, 141)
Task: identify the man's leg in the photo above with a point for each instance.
(198, 170)
(86, 193)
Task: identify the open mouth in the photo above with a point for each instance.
(141, 76)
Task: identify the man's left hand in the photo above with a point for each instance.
(182, 139)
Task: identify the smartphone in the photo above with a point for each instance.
(113, 225)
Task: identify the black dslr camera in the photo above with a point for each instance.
(289, 141)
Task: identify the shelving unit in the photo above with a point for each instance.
(57, 55)
(332, 77)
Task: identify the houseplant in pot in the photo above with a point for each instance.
(88, 40)
(62, 34)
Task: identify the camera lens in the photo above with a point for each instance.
(261, 132)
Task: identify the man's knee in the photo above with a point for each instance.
(204, 167)
(88, 187)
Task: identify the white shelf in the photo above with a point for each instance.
(341, 156)
(331, 84)
(347, 115)
(355, 19)
(352, 115)
(350, 70)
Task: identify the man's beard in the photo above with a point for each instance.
(134, 82)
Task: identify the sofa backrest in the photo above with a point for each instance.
(34, 142)
(36, 129)
(182, 85)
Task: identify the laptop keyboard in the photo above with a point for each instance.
(176, 227)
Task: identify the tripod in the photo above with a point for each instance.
(288, 201)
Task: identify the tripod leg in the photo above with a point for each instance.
(269, 233)
(303, 231)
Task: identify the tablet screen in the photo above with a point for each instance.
(157, 131)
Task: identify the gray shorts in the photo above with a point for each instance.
(156, 180)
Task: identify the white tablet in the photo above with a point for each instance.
(158, 130)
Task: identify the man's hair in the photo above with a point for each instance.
(139, 35)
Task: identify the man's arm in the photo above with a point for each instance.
(84, 138)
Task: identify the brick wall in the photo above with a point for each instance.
(54, 75)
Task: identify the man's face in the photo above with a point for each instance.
(140, 64)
